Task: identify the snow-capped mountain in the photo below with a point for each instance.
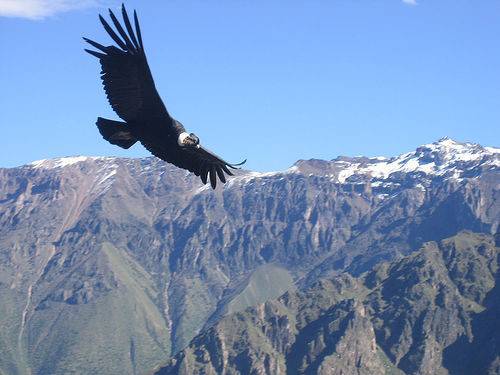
(446, 158)
(443, 159)
(95, 246)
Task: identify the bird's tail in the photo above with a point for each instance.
(116, 132)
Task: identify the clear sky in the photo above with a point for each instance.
(271, 81)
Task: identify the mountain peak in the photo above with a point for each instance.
(445, 158)
(449, 145)
(66, 161)
(447, 142)
(446, 139)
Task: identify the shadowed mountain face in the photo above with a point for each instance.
(417, 315)
(112, 265)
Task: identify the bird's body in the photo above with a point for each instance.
(131, 91)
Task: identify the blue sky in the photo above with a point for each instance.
(271, 81)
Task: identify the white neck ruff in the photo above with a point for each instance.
(182, 137)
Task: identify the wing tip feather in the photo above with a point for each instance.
(213, 178)
(235, 166)
(95, 53)
(220, 173)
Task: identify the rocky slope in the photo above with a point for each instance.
(114, 264)
(416, 315)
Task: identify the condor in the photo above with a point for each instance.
(131, 91)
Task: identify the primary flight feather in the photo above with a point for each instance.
(131, 91)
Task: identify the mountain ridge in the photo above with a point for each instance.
(83, 232)
(431, 154)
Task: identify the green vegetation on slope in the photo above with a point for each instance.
(398, 318)
(122, 330)
(267, 282)
(13, 358)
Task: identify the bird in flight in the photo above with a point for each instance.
(131, 91)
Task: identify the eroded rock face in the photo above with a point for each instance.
(413, 315)
(94, 246)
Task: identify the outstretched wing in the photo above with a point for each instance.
(199, 160)
(126, 77)
(204, 163)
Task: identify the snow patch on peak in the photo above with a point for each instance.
(103, 174)
(446, 140)
(450, 150)
(249, 176)
(66, 161)
(493, 150)
(444, 157)
(448, 144)
(58, 162)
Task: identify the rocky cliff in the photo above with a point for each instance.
(421, 314)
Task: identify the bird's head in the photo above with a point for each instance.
(188, 140)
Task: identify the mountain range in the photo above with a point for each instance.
(115, 265)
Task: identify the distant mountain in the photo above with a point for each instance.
(445, 158)
(112, 265)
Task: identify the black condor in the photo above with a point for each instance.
(131, 91)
